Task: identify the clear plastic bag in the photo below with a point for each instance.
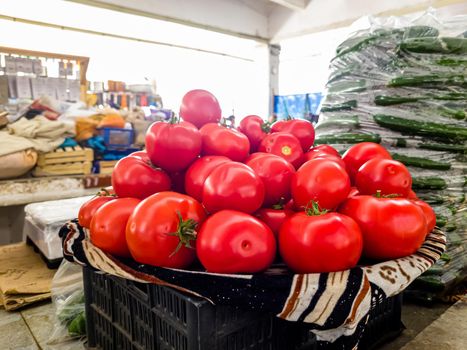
(402, 82)
(68, 300)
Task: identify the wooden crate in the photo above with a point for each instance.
(76, 168)
(66, 155)
(106, 166)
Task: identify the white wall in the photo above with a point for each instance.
(328, 14)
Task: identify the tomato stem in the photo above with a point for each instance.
(266, 127)
(314, 210)
(174, 119)
(103, 192)
(280, 205)
(393, 195)
(186, 232)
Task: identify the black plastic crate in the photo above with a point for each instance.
(123, 314)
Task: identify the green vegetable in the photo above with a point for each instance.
(421, 162)
(420, 31)
(444, 147)
(347, 105)
(448, 133)
(441, 220)
(78, 325)
(339, 120)
(432, 198)
(393, 100)
(450, 62)
(445, 257)
(432, 79)
(428, 183)
(347, 138)
(435, 45)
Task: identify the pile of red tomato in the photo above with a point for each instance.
(237, 199)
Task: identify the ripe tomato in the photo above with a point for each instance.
(274, 218)
(234, 186)
(353, 192)
(178, 181)
(320, 243)
(219, 140)
(255, 129)
(173, 146)
(88, 209)
(277, 126)
(234, 242)
(135, 176)
(198, 172)
(385, 175)
(162, 229)
(359, 154)
(412, 195)
(313, 155)
(276, 174)
(302, 129)
(108, 226)
(430, 215)
(325, 149)
(392, 227)
(283, 145)
(320, 180)
(200, 107)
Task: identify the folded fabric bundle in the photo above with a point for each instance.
(40, 127)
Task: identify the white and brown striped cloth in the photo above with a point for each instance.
(333, 304)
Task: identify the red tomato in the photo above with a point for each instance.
(274, 218)
(234, 242)
(412, 195)
(108, 226)
(198, 172)
(162, 229)
(325, 149)
(88, 209)
(255, 155)
(320, 180)
(276, 174)
(313, 155)
(353, 192)
(392, 227)
(234, 186)
(255, 129)
(277, 126)
(200, 107)
(359, 154)
(430, 215)
(283, 145)
(320, 243)
(385, 175)
(219, 140)
(141, 154)
(178, 181)
(173, 146)
(302, 129)
(134, 176)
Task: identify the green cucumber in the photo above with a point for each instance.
(428, 183)
(347, 138)
(347, 105)
(444, 147)
(420, 31)
(431, 79)
(421, 162)
(393, 100)
(450, 62)
(339, 120)
(356, 44)
(435, 45)
(448, 133)
(441, 220)
(432, 198)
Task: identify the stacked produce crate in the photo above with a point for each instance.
(406, 88)
(65, 161)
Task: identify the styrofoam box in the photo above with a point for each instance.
(43, 221)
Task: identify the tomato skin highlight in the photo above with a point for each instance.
(320, 243)
(108, 225)
(359, 154)
(150, 227)
(252, 126)
(387, 176)
(173, 146)
(135, 176)
(276, 174)
(283, 145)
(325, 149)
(230, 241)
(219, 140)
(392, 227)
(320, 180)
(88, 209)
(197, 173)
(313, 155)
(235, 186)
(200, 107)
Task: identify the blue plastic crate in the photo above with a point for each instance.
(117, 137)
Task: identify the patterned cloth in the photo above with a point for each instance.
(335, 305)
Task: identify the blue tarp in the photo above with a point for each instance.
(304, 106)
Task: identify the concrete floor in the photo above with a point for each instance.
(440, 327)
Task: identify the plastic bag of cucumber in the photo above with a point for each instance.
(402, 82)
